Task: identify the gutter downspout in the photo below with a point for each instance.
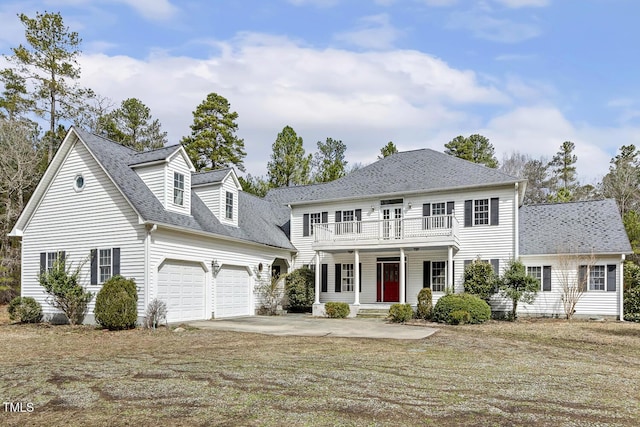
(621, 287)
(516, 228)
(147, 261)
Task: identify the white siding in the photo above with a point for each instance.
(549, 303)
(154, 177)
(168, 244)
(210, 196)
(178, 164)
(76, 222)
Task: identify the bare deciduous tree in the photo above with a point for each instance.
(572, 272)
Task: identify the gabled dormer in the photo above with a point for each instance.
(167, 173)
(218, 190)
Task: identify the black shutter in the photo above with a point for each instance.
(611, 278)
(582, 278)
(324, 276)
(426, 274)
(450, 207)
(468, 213)
(338, 216)
(305, 225)
(360, 276)
(338, 284)
(94, 266)
(43, 262)
(324, 217)
(426, 209)
(116, 261)
(546, 278)
(63, 257)
(495, 211)
(358, 218)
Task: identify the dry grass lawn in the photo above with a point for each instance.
(531, 373)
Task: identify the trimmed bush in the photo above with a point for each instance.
(478, 309)
(460, 317)
(400, 313)
(632, 304)
(337, 310)
(116, 304)
(425, 304)
(65, 291)
(300, 290)
(25, 310)
(479, 279)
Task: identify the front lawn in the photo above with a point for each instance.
(533, 373)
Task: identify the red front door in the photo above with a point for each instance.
(389, 282)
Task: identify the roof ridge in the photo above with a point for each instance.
(213, 170)
(572, 202)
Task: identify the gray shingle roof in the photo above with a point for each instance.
(578, 227)
(153, 155)
(259, 221)
(404, 172)
(211, 177)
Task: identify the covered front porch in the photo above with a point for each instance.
(376, 279)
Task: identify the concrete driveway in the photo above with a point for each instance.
(307, 326)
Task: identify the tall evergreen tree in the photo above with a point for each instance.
(50, 60)
(14, 101)
(535, 171)
(475, 148)
(563, 167)
(329, 163)
(388, 150)
(289, 165)
(213, 143)
(132, 125)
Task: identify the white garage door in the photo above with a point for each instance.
(232, 292)
(181, 285)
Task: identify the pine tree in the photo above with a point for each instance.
(289, 165)
(133, 126)
(475, 148)
(329, 162)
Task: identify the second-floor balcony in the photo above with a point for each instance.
(428, 231)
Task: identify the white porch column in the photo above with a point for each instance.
(356, 285)
(317, 288)
(403, 298)
(621, 287)
(450, 268)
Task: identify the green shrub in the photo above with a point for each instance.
(65, 291)
(117, 304)
(425, 304)
(337, 310)
(300, 290)
(632, 304)
(460, 317)
(480, 279)
(25, 310)
(478, 309)
(400, 313)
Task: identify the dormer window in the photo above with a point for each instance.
(229, 206)
(178, 188)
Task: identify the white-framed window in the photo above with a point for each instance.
(438, 209)
(228, 213)
(347, 277)
(597, 278)
(314, 218)
(51, 260)
(347, 218)
(178, 188)
(438, 276)
(535, 272)
(481, 212)
(105, 265)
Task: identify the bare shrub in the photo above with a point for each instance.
(155, 314)
(573, 285)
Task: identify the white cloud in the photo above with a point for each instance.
(154, 10)
(485, 26)
(317, 3)
(373, 32)
(365, 99)
(516, 4)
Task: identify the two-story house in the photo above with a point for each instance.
(417, 218)
(375, 237)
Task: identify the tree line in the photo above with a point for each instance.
(42, 82)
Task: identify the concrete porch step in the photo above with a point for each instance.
(373, 313)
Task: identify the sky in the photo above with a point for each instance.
(527, 74)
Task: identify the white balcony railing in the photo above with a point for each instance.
(387, 229)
